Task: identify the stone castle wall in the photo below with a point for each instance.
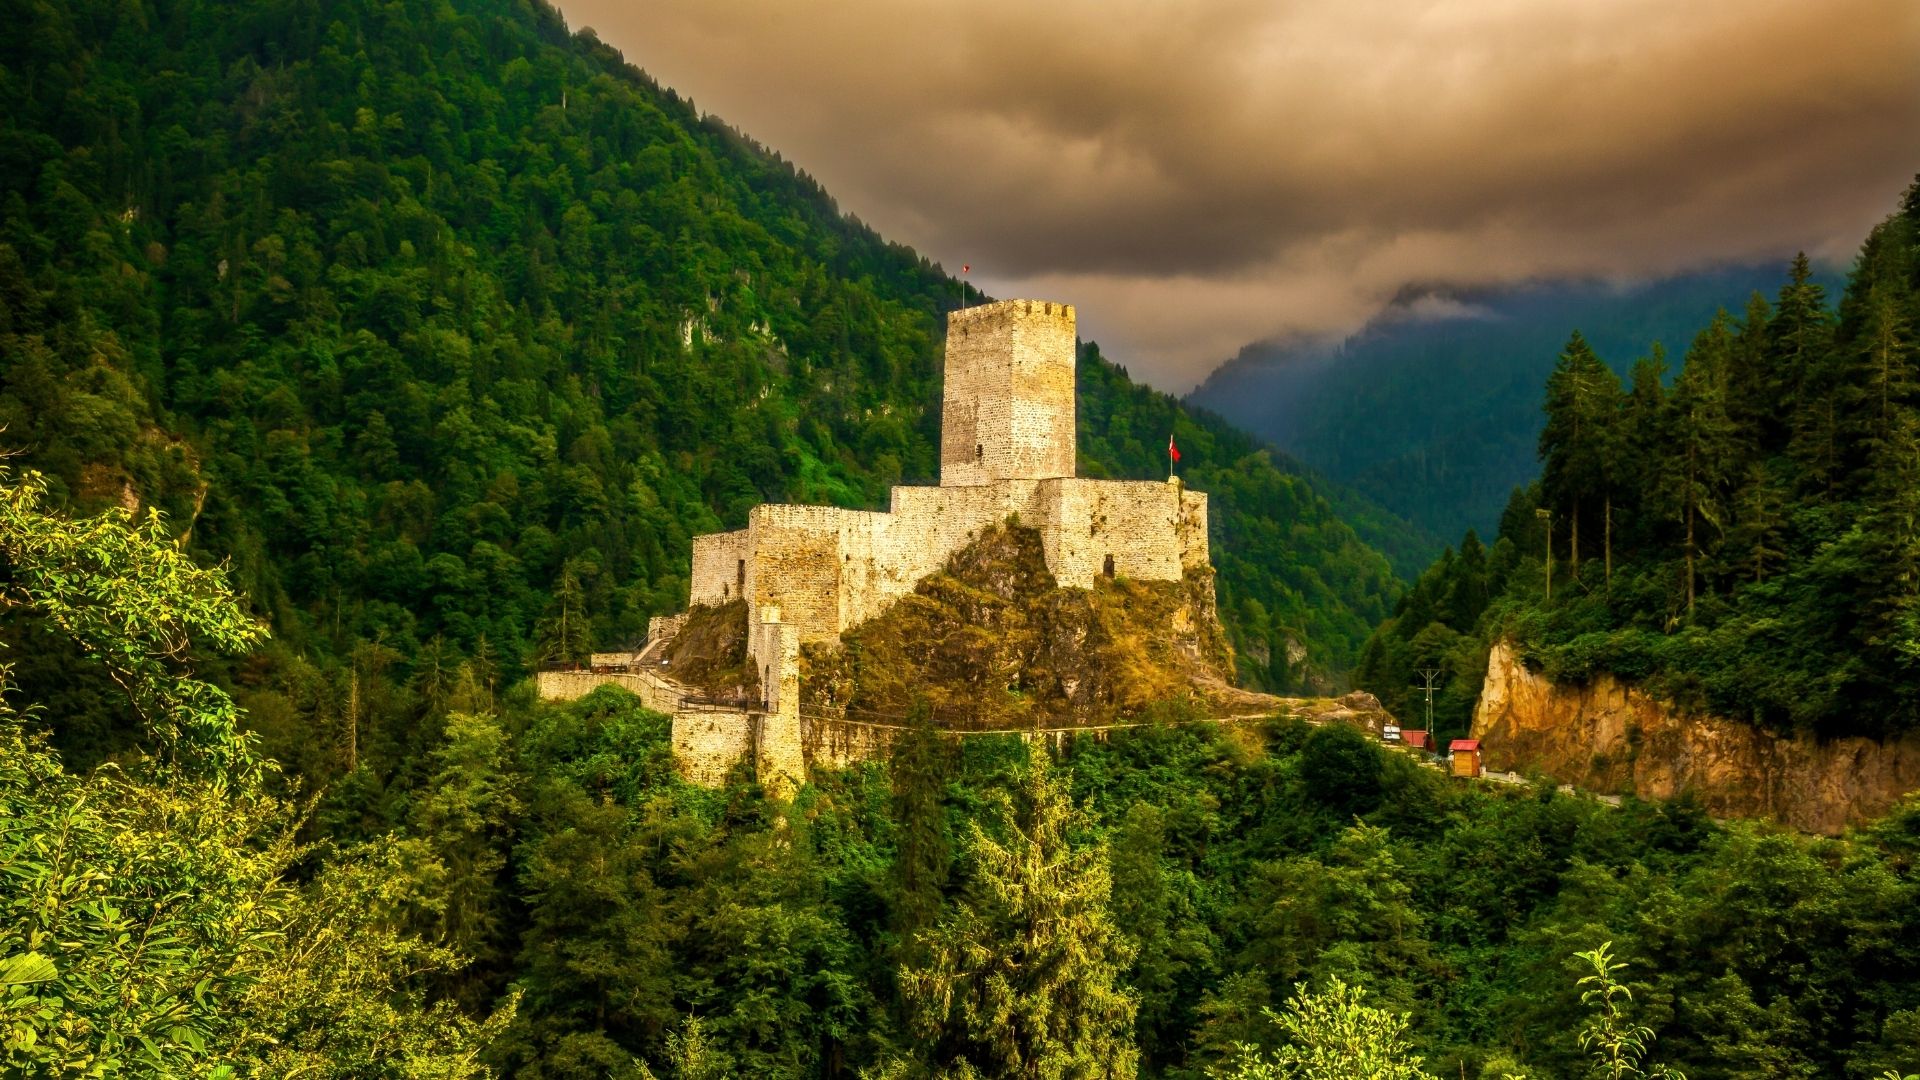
(663, 627)
(827, 570)
(716, 567)
(1007, 408)
(1094, 527)
(779, 752)
(1196, 552)
(708, 743)
(655, 693)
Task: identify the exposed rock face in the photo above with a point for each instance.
(1607, 736)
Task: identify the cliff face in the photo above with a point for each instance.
(1607, 736)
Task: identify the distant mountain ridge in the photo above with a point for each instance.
(1433, 409)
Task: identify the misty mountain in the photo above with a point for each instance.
(1433, 408)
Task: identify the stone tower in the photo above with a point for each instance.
(1007, 412)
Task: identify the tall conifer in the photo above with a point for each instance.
(1022, 978)
(1582, 406)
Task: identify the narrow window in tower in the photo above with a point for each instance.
(1108, 568)
(979, 452)
(740, 577)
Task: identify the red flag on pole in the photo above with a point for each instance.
(1172, 450)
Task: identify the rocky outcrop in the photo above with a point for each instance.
(993, 642)
(1610, 737)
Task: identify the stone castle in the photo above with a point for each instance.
(1007, 450)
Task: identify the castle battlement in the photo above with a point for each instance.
(1007, 449)
(1001, 311)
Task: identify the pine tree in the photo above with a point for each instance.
(1702, 451)
(923, 856)
(1642, 450)
(1887, 365)
(1022, 977)
(1582, 406)
(566, 634)
(1757, 537)
(1467, 592)
(1751, 394)
(1800, 353)
(1893, 529)
(466, 814)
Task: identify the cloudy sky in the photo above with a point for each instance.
(1200, 174)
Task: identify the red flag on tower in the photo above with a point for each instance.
(1172, 450)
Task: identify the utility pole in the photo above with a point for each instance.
(1428, 677)
(1547, 516)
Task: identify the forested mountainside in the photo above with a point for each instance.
(1745, 540)
(439, 321)
(1432, 409)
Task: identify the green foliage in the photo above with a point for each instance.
(1022, 976)
(1617, 1044)
(150, 923)
(1758, 529)
(136, 605)
(1334, 1035)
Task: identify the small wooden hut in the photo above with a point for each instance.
(1465, 754)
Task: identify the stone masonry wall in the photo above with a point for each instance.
(780, 755)
(827, 570)
(794, 563)
(1007, 409)
(655, 693)
(1196, 552)
(1086, 522)
(708, 743)
(663, 627)
(716, 567)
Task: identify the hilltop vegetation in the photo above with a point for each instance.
(1745, 539)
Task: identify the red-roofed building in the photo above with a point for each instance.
(1415, 738)
(1466, 757)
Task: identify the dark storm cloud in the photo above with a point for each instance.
(1198, 175)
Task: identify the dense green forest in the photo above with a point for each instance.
(421, 324)
(436, 320)
(1742, 536)
(1433, 408)
(1180, 900)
